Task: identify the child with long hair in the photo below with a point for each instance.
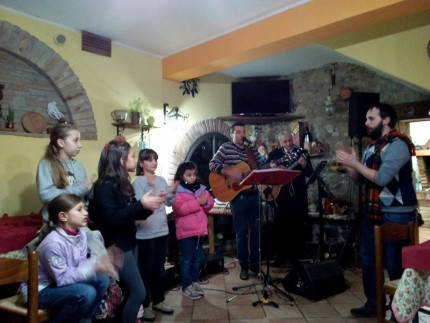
(152, 234)
(58, 172)
(113, 209)
(70, 280)
(192, 202)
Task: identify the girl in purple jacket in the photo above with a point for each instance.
(192, 202)
(71, 280)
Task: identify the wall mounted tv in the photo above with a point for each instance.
(260, 98)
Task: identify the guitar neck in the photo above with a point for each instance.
(280, 161)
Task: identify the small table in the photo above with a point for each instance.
(413, 290)
(216, 210)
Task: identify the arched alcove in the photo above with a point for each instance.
(47, 62)
(183, 147)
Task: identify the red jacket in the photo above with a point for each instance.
(190, 217)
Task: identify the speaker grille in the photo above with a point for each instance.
(96, 44)
(60, 39)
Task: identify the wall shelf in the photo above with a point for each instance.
(120, 126)
(424, 152)
(253, 120)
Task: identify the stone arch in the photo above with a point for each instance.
(183, 146)
(21, 44)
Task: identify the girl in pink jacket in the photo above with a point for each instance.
(192, 202)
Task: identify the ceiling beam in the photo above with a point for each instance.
(311, 22)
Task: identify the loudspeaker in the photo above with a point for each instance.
(173, 277)
(316, 281)
(60, 39)
(359, 103)
(211, 264)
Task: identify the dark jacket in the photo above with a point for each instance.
(293, 198)
(114, 215)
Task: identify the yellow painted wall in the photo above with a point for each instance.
(402, 55)
(110, 84)
(213, 100)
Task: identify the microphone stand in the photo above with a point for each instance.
(323, 191)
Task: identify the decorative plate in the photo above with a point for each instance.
(33, 122)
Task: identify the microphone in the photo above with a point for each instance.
(246, 140)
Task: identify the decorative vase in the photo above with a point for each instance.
(10, 125)
(136, 118)
(150, 121)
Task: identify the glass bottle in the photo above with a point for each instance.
(307, 139)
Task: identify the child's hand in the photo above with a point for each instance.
(151, 202)
(105, 266)
(203, 199)
(162, 194)
(111, 262)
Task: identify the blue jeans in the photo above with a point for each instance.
(191, 250)
(392, 253)
(135, 292)
(75, 301)
(245, 210)
(152, 255)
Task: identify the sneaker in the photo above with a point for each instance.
(163, 308)
(140, 313)
(148, 315)
(198, 289)
(190, 293)
(363, 312)
(244, 274)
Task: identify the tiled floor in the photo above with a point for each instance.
(222, 304)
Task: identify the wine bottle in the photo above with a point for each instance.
(307, 139)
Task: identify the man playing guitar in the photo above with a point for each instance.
(291, 204)
(245, 206)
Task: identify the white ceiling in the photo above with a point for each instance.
(165, 27)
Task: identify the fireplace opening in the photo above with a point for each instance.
(202, 151)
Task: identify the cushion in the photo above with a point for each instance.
(416, 256)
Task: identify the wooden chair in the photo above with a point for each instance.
(17, 271)
(385, 233)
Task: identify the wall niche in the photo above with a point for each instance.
(34, 75)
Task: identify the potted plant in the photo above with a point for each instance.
(136, 106)
(10, 118)
(139, 112)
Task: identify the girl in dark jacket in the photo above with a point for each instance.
(113, 210)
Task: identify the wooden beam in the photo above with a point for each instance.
(311, 22)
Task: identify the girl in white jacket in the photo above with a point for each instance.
(152, 234)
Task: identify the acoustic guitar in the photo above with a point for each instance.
(275, 189)
(225, 188)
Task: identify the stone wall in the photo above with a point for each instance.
(309, 90)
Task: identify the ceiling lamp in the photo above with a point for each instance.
(328, 103)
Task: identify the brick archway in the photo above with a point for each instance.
(21, 44)
(184, 145)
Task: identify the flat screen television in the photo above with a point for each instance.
(260, 98)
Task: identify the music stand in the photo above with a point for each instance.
(273, 176)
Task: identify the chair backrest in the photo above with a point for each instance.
(385, 233)
(19, 270)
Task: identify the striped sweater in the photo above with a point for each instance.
(229, 154)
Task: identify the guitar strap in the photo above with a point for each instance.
(251, 159)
